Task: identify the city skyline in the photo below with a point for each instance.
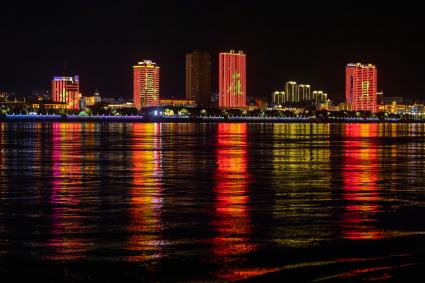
(198, 70)
(325, 44)
(361, 87)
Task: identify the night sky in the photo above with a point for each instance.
(309, 43)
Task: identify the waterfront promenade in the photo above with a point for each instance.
(183, 119)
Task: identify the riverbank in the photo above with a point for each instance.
(199, 119)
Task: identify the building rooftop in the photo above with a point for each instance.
(360, 65)
(146, 63)
(67, 79)
(240, 52)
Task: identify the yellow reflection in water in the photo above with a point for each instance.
(301, 179)
(90, 166)
(146, 199)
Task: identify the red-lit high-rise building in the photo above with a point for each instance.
(146, 84)
(232, 80)
(361, 87)
(67, 90)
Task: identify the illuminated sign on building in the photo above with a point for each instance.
(365, 86)
(235, 87)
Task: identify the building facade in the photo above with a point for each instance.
(177, 103)
(146, 84)
(304, 92)
(67, 90)
(278, 98)
(361, 87)
(232, 80)
(291, 91)
(93, 100)
(319, 96)
(198, 78)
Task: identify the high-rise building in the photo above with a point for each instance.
(304, 92)
(318, 96)
(361, 87)
(232, 80)
(198, 78)
(291, 91)
(278, 97)
(67, 90)
(146, 84)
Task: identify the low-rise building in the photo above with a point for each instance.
(127, 105)
(177, 103)
(49, 105)
(399, 109)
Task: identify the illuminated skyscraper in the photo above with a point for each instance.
(67, 90)
(278, 97)
(198, 77)
(304, 92)
(232, 80)
(291, 91)
(146, 84)
(361, 87)
(319, 96)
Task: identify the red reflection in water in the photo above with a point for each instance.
(231, 217)
(360, 176)
(146, 199)
(2, 152)
(66, 193)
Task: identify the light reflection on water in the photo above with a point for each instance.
(66, 193)
(231, 217)
(360, 182)
(301, 174)
(146, 193)
(213, 193)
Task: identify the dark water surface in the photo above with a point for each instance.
(212, 202)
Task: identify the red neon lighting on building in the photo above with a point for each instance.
(67, 90)
(361, 87)
(146, 84)
(232, 80)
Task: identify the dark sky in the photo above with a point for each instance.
(300, 41)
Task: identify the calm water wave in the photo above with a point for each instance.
(217, 202)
